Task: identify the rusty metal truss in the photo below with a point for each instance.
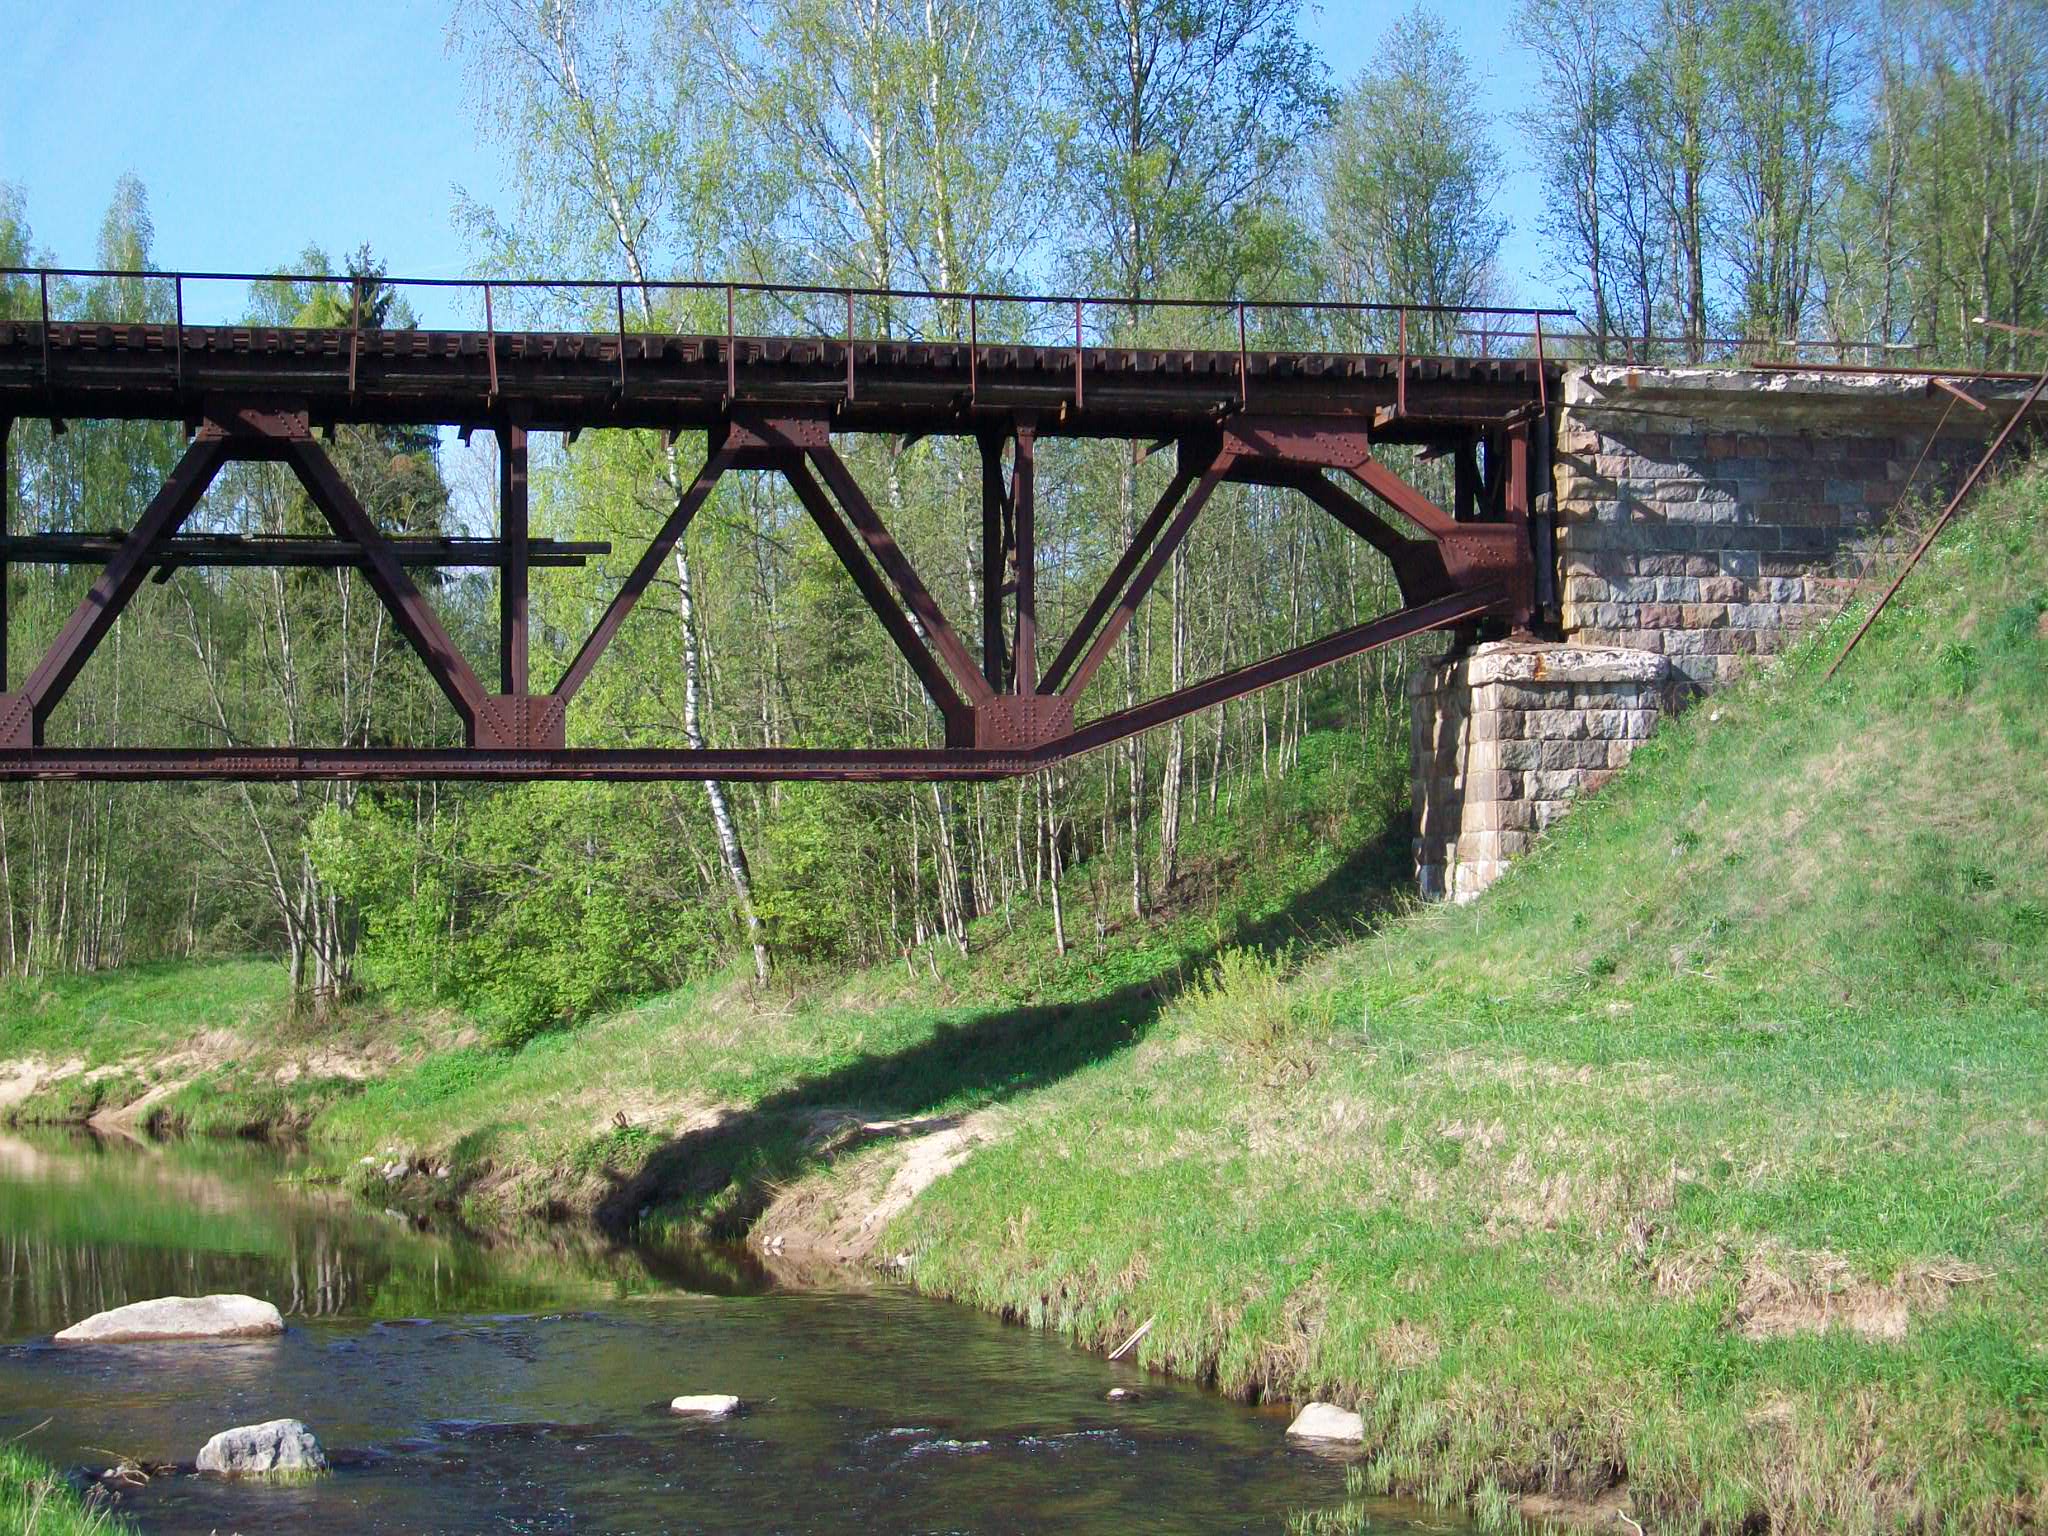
(1306, 422)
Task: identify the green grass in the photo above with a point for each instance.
(107, 1016)
(36, 1501)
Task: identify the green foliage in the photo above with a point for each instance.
(525, 909)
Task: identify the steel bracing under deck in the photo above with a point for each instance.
(1301, 421)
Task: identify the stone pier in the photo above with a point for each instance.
(1506, 736)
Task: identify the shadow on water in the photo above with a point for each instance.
(987, 1058)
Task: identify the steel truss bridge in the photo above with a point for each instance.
(1308, 422)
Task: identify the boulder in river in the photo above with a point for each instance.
(706, 1405)
(1326, 1421)
(178, 1317)
(281, 1445)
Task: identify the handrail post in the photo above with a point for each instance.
(731, 370)
(491, 342)
(178, 300)
(619, 300)
(355, 328)
(1401, 369)
(1078, 387)
(849, 346)
(973, 348)
(43, 279)
(1244, 388)
(1542, 381)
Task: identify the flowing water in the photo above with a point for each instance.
(461, 1385)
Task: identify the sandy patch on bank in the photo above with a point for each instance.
(22, 1080)
(127, 1119)
(1786, 1292)
(1608, 1512)
(839, 1214)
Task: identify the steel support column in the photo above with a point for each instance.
(6, 530)
(1024, 523)
(994, 560)
(513, 647)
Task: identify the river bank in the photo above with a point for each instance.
(458, 1383)
(1699, 1169)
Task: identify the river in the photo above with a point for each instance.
(464, 1384)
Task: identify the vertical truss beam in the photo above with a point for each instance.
(514, 649)
(994, 560)
(6, 528)
(1023, 505)
(673, 528)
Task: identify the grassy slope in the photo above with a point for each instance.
(36, 1501)
(150, 1008)
(705, 1100)
(1708, 1150)
(207, 1046)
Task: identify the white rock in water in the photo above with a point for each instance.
(1326, 1421)
(707, 1405)
(178, 1317)
(282, 1445)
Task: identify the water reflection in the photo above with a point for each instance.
(521, 1386)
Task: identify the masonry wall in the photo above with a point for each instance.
(1712, 515)
(1705, 518)
(1506, 736)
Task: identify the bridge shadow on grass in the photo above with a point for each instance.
(729, 1171)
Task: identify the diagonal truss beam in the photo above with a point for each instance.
(1402, 497)
(889, 555)
(1417, 563)
(1233, 684)
(1120, 573)
(937, 685)
(673, 528)
(1134, 594)
(409, 609)
(127, 568)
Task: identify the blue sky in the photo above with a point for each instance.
(258, 127)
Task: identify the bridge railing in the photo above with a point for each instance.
(736, 309)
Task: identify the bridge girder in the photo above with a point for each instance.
(264, 396)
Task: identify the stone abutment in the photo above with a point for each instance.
(1705, 518)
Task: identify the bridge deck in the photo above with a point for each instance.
(585, 380)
